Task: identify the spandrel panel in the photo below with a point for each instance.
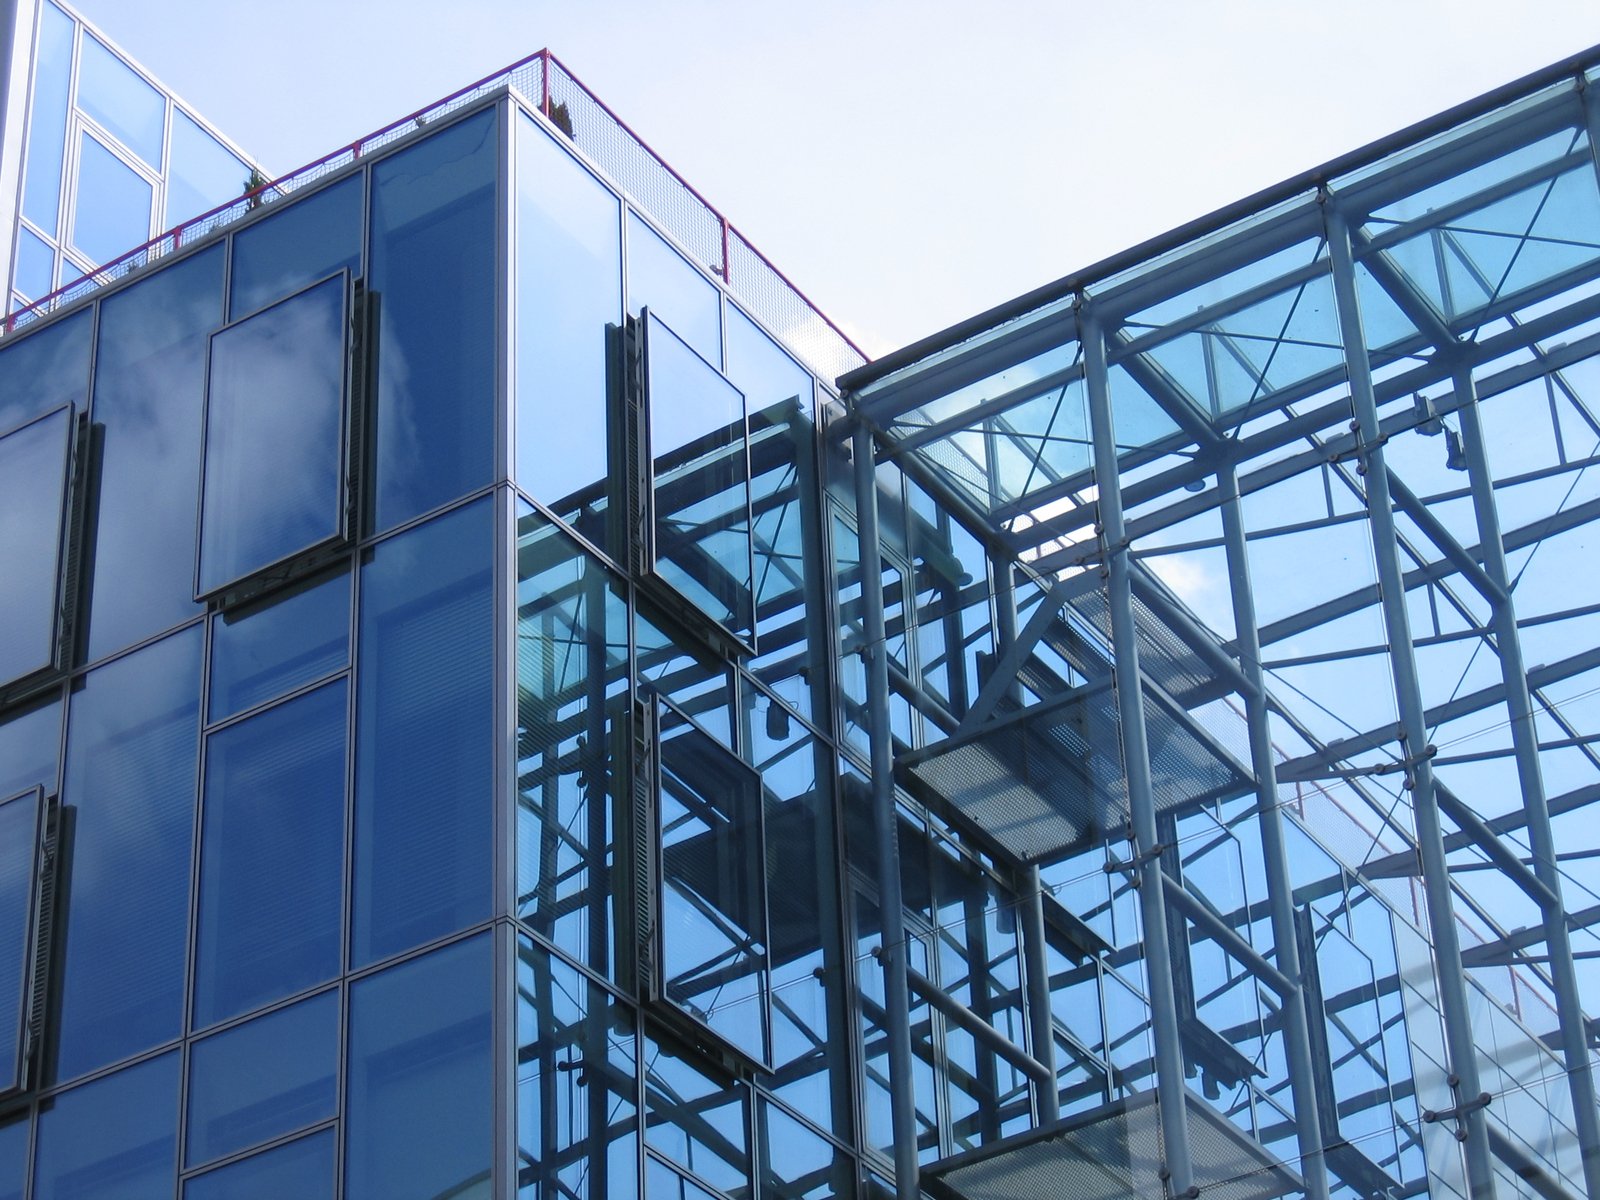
(130, 783)
(113, 1139)
(45, 370)
(307, 241)
(263, 1079)
(302, 1169)
(270, 649)
(19, 825)
(112, 215)
(419, 1097)
(271, 855)
(34, 464)
(274, 446)
(204, 172)
(115, 96)
(425, 734)
(149, 392)
(569, 289)
(432, 269)
(47, 134)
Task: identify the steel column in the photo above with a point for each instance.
(1274, 854)
(1462, 1051)
(1530, 776)
(896, 986)
(1170, 1086)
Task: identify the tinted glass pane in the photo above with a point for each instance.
(419, 1104)
(47, 133)
(113, 210)
(302, 1169)
(425, 777)
(29, 744)
(149, 389)
(661, 279)
(13, 1158)
(19, 823)
(36, 265)
(307, 241)
(702, 480)
(115, 96)
(699, 1122)
(33, 492)
(45, 369)
(271, 855)
(433, 269)
(204, 172)
(113, 1139)
(269, 649)
(263, 1079)
(275, 450)
(130, 782)
(663, 1183)
(569, 288)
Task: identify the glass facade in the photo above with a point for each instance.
(481, 716)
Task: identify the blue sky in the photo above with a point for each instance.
(906, 162)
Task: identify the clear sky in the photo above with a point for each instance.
(906, 162)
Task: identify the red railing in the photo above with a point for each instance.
(606, 139)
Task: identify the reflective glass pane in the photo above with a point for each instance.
(267, 649)
(302, 1170)
(33, 494)
(569, 288)
(36, 265)
(113, 1139)
(19, 825)
(701, 476)
(420, 1099)
(425, 749)
(432, 269)
(45, 369)
(204, 172)
(131, 742)
(29, 744)
(118, 98)
(272, 855)
(263, 1079)
(699, 1122)
(663, 1183)
(47, 132)
(293, 248)
(149, 390)
(275, 443)
(112, 215)
(13, 1157)
(661, 279)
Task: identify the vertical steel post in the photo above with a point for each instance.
(1280, 885)
(1463, 1052)
(1170, 1087)
(1530, 776)
(896, 989)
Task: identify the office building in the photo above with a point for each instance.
(498, 697)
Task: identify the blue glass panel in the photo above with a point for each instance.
(271, 855)
(661, 1182)
(149, 390)
(19, 826)
(13, 1158)
(661, 279)
(45, 369)
(29, 743)
(271, 648)
(307, 241)
(569, 288)
(113, 210)
(113, 1139)
(275, 445)
(697, 1121)
(47, 132)
(419, 1103)
(433, 269)
(33, 500)
(36, 265)
(114, 95)
(204, 172)
(263, 1079)
(130, 782)
(425, 750)
(302, 1170)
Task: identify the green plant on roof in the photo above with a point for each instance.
(254, 185)
(560, 116)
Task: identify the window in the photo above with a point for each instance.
(276, 446)
(35, 468)
(27, 868)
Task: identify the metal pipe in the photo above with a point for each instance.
(983, 1032)
(1462, 1051)
(896, 989)
(1530, 776)
(1226, 936)
(1170, 1086)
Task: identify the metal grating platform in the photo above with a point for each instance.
(1113, 1153)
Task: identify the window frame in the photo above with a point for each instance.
(29, 1037)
